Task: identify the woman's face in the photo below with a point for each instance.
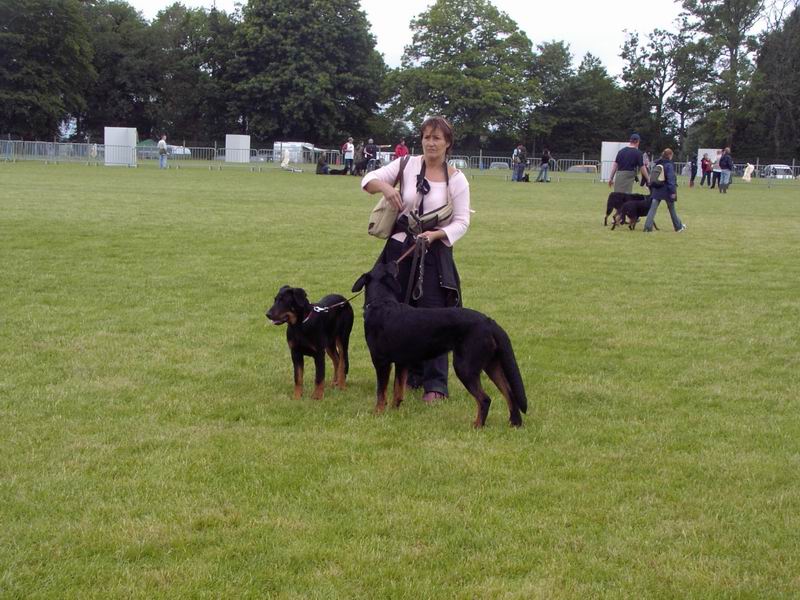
(434, 144)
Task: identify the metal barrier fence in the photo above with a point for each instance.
(561, 169)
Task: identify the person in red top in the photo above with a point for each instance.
(401, 149)
(705, 167)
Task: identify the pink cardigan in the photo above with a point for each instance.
(457, 225)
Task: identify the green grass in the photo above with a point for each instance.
(150, 447)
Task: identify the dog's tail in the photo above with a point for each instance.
(510, 369)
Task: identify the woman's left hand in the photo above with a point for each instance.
(432, 236)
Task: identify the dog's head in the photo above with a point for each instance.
(290, 305)
(381, 282)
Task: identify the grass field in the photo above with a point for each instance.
(150, 446)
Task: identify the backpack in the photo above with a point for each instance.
(658, 177)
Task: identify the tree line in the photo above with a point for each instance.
(308, 70)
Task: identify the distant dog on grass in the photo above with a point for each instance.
(313, 330)
(401, 335)
(615, 202)
(342, 171)
(631, 211)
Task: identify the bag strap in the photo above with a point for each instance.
(399, 178)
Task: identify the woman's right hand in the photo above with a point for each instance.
(393, 195)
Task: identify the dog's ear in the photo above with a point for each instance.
(360, 282)
(299, 295)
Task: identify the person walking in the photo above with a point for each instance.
(627, 164)
(162, 152)
(428, 182)
(666, 190)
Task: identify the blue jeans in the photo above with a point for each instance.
(519, 171)
(543, 172)
(724, 177)
(651, 215)
(162, 161)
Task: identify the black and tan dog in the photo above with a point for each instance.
(313, 330)
(615, 202)
(631, 211)
(401, 335)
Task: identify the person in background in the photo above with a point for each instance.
(322, 164)
(725, 171)
(349, 153)
(519, 160)
(627, 164)
(692, 172)
(716, 172)
(544, 167)
(428, 181)
(162, 152)
(705, 167)
(401, 149)
(668, 192)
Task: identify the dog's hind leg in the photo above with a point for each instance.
(336, 360)
(382, 373)
(400, 377)
(319, 376)
(495, 372)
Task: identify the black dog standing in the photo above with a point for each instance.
(401, 335)
(312, 331)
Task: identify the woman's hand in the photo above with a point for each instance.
(392, 195)
(432, 236)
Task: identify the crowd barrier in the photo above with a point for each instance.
(500, 166)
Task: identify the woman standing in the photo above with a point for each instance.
(667, 191)
(428, 182)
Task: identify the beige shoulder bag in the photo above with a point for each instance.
(384, 215)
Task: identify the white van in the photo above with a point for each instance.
(777, 172)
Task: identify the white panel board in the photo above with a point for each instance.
(237, 148)
(608, 154)
(120, 146)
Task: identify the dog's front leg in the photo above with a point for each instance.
(382, 373)
(400, 377)
(319, 375)
(297, 362)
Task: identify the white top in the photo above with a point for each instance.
(349, 150)
(458, 223)
(162, 145)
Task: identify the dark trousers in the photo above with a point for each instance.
(715, 175)
(430, 374)
(706, 178)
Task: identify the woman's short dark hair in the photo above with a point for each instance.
(443, 125)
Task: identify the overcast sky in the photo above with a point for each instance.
(596, 27)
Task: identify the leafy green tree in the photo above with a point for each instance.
(471, 63)
(306, 69)
(726, 25)
(194, 47)
(125, 89)
(590, 110)
(552, 68)
(773, 125)
(45, 65)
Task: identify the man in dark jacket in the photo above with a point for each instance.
(726, 170)
(667, 191)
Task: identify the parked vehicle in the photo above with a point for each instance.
(457, 163)
(498, 165)
(777, 172)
